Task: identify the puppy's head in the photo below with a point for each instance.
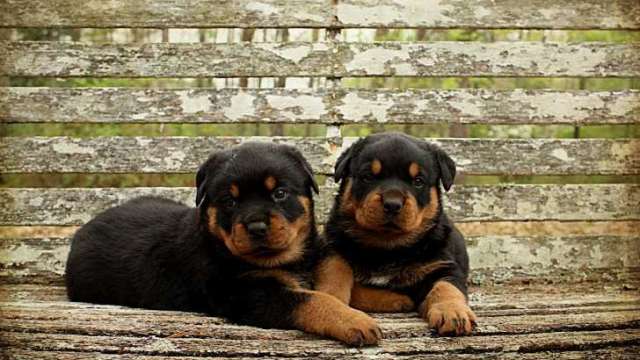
(390, 190)
(256, 199)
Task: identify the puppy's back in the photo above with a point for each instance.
(110, 256)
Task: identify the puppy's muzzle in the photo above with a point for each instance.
(257, 230)
(392, 202)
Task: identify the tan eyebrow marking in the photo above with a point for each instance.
(376, 166)
(414, 169)
(270, 182)
(234, 190)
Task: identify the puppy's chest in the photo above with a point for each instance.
(397, 275)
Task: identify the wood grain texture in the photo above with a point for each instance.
(166, 13)
(539, 14)
(71, 206)
(443, 58)
(531, 259)
(327, 106)
(185, 154)
(542, 14)
(530, 322)
(319, 348)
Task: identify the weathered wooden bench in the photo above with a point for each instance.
(555, 266)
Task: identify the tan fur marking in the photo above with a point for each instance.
(270, 183)
(412, 222)
(290, 237)
(325, 315)
(445, 309)
(347, 203)
(413, 274)
(414, 169)
(334, 276)
(379, 300)
(376, 167)
(234, 190)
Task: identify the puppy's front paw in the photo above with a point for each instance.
(360, 329)
(451, 318)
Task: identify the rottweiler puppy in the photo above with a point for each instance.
(246, 252)
(388, 223)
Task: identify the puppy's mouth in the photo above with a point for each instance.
(266, 252)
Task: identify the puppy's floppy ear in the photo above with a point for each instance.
(446, 165)
(215, 160)
(344, 161)
(447, 168)
(310, 182)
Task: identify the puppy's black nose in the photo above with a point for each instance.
(392, 203)
(392, 206)
(257, 229)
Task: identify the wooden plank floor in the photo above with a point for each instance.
(550, 321)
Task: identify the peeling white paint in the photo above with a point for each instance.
(72, 149)
(359, 108)
(376, 59)
(298, 107)
(192, 104)
(264, 8)
(561, 154)
(294, 53)
(241, 106)
(423, 12)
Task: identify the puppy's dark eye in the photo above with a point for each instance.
(367, 178)
(279, 194)
(418, 182)
(229, 202)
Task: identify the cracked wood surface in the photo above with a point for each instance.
(327, 106)
(529, 259)
(179, 154)
(538, 14)
(442, 58)
(515, 322)
(72, 206)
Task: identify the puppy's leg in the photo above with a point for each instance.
(323, 314)
(334, 276)
(379, 300)
(445, 309)
(275, 300)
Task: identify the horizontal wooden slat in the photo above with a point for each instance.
(70, 206)
(27, 104)
(487, 106)
(320, 59)
(22, 104)
(185, 154)
(542, 14)
(181, 325)
(518, 299)
(166, 13)
(320, 348)
(511, 259)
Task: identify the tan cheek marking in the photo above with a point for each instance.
(219, 232)
(414, 169)
(234, 190)
(270, 183)
(347, 204)
(376, 167)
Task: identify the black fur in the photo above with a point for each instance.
(159, 254)
(441, 242)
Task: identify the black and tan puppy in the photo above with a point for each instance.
(400, 247)
(246, 252)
